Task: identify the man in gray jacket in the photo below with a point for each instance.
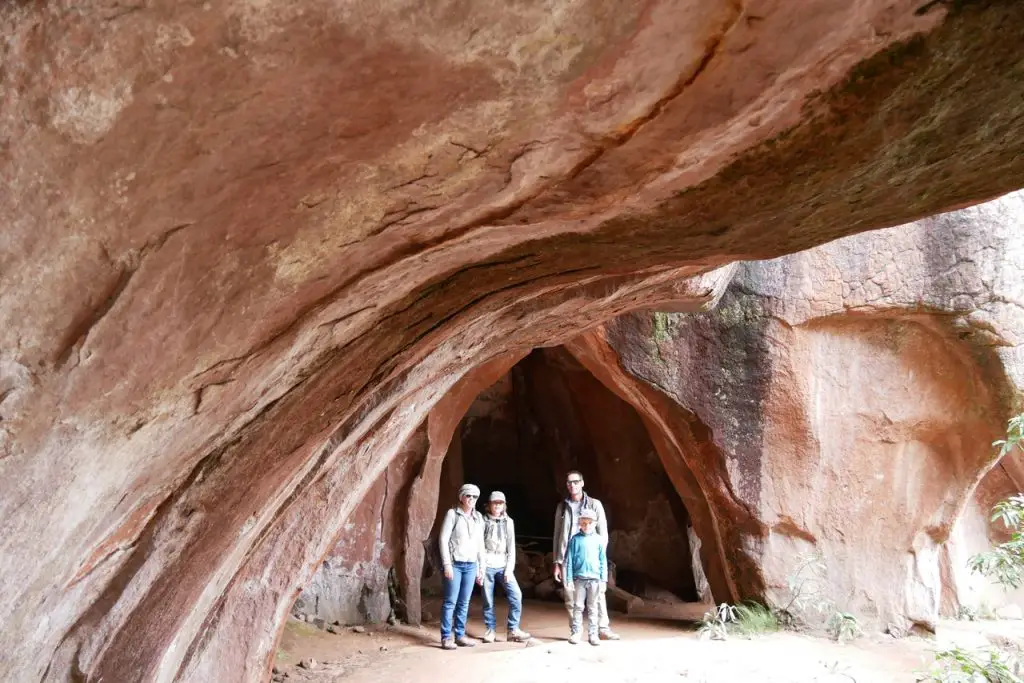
(567, 524)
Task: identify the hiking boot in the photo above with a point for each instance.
(574, 638)
(447, 644)
(465, 641)
(594, 640)
(489, 635)
(608, 634)
(517, 636)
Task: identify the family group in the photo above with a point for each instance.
(481, 549)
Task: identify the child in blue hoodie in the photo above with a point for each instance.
(586, 568)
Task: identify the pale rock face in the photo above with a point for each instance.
(248, 246)
(852, 392)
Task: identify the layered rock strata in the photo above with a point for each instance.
(248, 246)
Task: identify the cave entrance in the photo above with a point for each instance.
(549, 415)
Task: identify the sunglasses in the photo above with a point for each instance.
(469, 495)
(574, 481)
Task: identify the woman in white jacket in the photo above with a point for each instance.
(461, 543)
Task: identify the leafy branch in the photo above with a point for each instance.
(1005, 562)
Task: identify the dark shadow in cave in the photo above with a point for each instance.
(549, 415)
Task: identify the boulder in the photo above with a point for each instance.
(524, 567)
(621, 601)
(546, 590)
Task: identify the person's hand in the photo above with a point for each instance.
(448, 573)
(479, 578)
(558, 573)
(603, 587)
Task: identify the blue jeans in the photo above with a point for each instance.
(512, 591)
(457, 591)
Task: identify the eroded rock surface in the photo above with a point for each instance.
(249, 245)
(848, 397)
(355, 582)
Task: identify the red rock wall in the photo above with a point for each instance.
(248, 246)
(351, 585)
(854, 391)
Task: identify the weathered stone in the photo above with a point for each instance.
(358, 629)
(309, 664)
(248, 246)
(622, 601)
(546, 589)
(352, 583)
(813, 400)
(524, 566)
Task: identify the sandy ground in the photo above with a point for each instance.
(651, 651)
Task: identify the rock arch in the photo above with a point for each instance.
(248, 248)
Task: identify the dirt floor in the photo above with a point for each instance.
(652, 650)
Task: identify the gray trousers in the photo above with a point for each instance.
(586, 594)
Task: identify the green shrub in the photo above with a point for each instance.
(1005, 562)
(843, 626)
(988, 665)
(966, 613)
(807, 592)
(753, 618)
(715, 624)
(748, 619)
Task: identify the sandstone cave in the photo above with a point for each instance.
(549, 415)
(267, 269)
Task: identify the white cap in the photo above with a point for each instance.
(497, 497)
(469, 490)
